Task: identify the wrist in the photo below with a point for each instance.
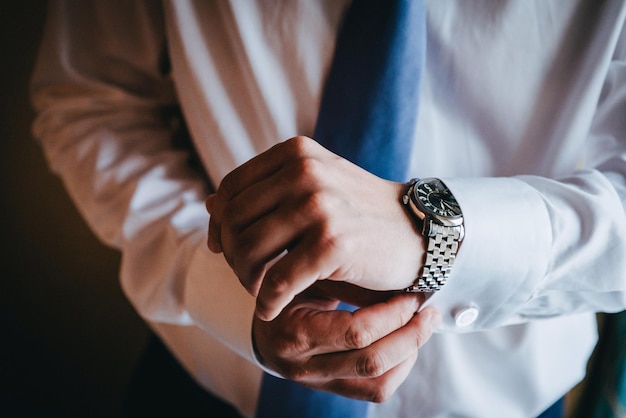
(412, 243)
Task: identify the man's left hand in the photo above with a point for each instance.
(298, 213)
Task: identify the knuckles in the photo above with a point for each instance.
(277, 282)
(318, 204)
(299, 145)
(290, 344)
(308, 167)
(297, 373)
(380, 394)
(372, 364)
(357, 338)
(286, 355)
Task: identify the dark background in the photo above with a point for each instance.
(68, 338)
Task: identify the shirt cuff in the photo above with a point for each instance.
(504, 256)
(219, 304)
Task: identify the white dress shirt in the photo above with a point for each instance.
(522, 113)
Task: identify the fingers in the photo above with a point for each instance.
(276, 204)
(302, 266)
(374, 372)
(246, 177)
(383, 366)
(377, 389)
(232, 185)
(261, 224)
(336, 331)
(315, 327)
(312, 326)
(381, 356)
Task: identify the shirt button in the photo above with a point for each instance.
(465, 316)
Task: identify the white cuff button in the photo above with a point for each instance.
(466, 316)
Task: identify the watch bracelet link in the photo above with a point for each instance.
(443, 244)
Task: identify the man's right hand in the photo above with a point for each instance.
(365, 354)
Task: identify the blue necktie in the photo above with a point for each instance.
(367, 115)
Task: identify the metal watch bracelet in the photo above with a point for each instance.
(443, 244)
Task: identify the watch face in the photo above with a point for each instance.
(437, 199)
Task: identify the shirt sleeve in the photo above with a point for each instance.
(101, 90)
(538, 247)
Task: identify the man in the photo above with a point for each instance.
(521, 115)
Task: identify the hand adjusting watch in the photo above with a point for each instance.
(441, 221)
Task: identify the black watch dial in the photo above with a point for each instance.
(436, 198)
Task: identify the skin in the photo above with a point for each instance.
(365, 354)
(297, 214)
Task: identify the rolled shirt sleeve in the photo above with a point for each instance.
(99, 89)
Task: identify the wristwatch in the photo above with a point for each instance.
(440, 220)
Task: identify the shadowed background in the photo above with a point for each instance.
(68, 338)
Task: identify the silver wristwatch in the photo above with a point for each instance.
(441, 221)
